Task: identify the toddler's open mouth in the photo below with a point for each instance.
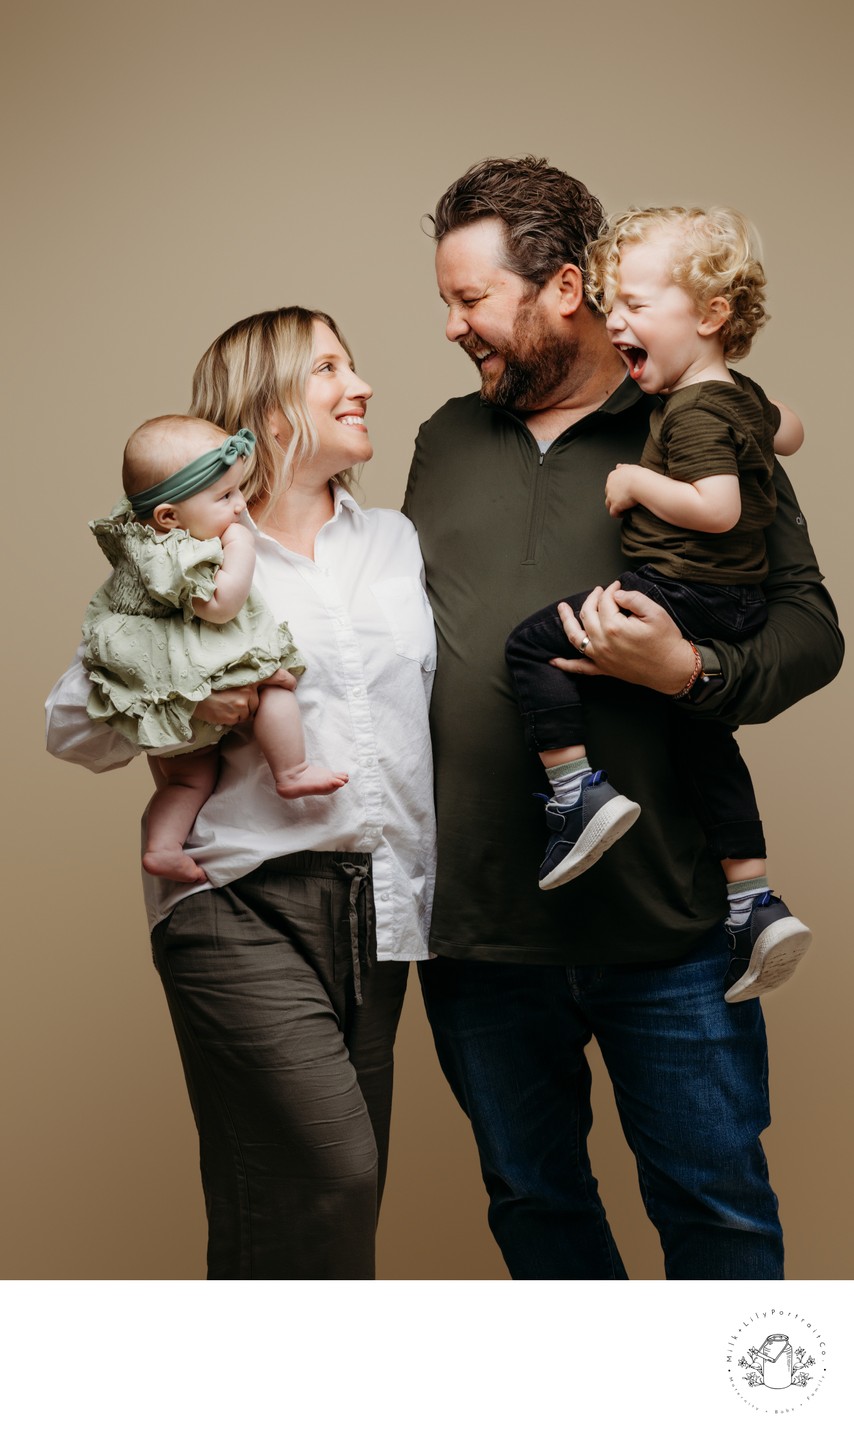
(635, 358)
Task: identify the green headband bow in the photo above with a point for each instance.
(194, 477)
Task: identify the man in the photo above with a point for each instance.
(507, 493)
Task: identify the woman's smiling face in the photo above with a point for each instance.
(336, 399)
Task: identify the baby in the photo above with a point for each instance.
(683, 292)
(178, 619)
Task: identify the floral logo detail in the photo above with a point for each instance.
(780, 1370)
(777, 1364)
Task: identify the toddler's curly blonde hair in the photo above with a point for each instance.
(715, 254)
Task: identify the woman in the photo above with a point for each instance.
(285, 971)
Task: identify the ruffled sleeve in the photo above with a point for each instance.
(175, 568)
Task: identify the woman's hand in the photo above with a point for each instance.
(228, 707)
(642, 646)
(281, 679)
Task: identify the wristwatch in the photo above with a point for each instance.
(709, 679)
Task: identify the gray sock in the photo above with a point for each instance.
(741, 896)
(565, 779)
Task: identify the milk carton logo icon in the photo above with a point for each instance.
(776, 1359)
(777, 1364)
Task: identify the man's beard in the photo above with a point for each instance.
(536, 363)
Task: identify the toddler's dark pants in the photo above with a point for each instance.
(705, 751)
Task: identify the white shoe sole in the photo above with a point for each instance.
(604, 828)
(776, 954)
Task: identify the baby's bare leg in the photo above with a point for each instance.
(278, 729)
(184, 783)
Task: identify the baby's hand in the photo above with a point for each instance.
(233, 578)
(238, 534)
(618, 489)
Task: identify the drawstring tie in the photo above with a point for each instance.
(359, 875)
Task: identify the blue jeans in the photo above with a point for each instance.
(690, 1076)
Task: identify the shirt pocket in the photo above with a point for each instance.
(406, 611)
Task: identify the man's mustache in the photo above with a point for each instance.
(471, 347)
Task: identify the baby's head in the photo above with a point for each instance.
(645, 257)
(180, 472)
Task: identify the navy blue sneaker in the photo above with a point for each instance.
(584, 831)
(766, 949)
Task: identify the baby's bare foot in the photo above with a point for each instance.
(309, 778)
(173, 863)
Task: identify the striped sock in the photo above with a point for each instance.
(565, 780)
(741, 896)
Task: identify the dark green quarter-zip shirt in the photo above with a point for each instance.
(504, 531)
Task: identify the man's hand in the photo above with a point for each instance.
(642, 646)
(619, 495)
(228, 707)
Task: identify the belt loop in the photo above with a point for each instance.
(359, 875)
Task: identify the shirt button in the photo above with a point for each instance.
(357, 693)
(385, 897)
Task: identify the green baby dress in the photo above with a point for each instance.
(151, 660)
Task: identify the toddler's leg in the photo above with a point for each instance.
(548, 698)
(586, 815)
(278, 729)
(767, 941)
(184, 783)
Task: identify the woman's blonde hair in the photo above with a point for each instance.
(258, 365)
(715, 254)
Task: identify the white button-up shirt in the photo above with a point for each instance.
(359, 614)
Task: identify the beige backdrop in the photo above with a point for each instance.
(174, 166)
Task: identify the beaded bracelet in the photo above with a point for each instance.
(695, 674)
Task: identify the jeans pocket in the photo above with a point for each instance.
(751, 609)
(711, 611)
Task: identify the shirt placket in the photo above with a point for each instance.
(326, 585)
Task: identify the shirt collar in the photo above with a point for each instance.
(341, 500)
(624, 396)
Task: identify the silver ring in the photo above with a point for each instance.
(584, 645)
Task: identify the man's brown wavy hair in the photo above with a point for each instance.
(549, 218)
